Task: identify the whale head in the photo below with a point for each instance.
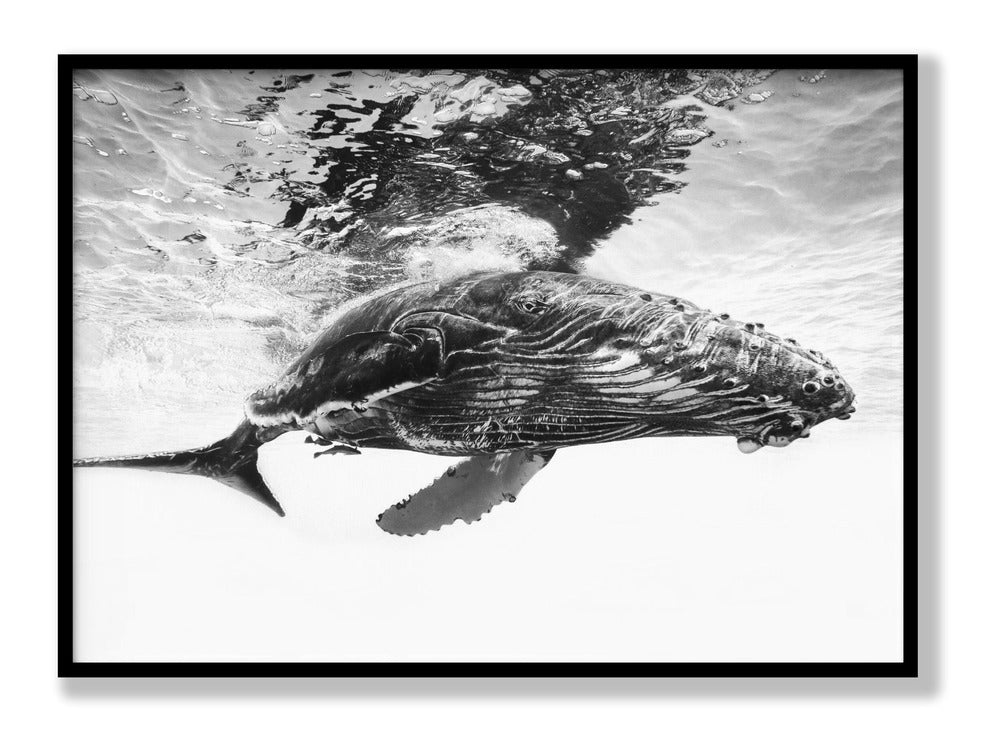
(601, 351)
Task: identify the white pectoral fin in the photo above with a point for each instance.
(467, 491)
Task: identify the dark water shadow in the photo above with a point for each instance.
(928, 493)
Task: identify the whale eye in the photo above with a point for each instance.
(531, 304)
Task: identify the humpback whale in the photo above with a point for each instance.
(504, 369)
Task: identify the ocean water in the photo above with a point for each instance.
(222, 217)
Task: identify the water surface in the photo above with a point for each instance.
(222, 217)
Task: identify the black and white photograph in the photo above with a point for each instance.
(479, 362)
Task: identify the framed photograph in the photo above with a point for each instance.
(331, 317)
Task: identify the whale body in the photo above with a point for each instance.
(506, 368)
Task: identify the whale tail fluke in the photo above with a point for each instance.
(231, 461)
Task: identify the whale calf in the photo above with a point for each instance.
(506, 368)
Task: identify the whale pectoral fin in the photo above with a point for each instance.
(351, 373)
(466, 492)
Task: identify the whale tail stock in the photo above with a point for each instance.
(231, 461)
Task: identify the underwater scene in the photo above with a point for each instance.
(223, 217)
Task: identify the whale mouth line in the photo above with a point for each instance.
(768, 436)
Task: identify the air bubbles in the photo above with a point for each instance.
(755, 98)
(686, 136)
(762, 398)
(814, 78)
(810, 387)
(730, 382)
(155, 194)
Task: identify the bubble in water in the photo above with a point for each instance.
(757, 97)
(814, 78)
(155, 194)
(686, 136)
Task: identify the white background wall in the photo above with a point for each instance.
(959, 499)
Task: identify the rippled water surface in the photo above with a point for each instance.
(221, 217)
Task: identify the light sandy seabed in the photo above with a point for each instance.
(658, 549)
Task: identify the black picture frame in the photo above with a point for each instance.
(68, 667)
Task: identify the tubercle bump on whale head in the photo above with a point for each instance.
(807, 387)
